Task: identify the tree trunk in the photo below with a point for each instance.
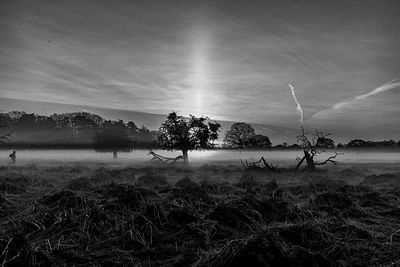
(185, 157)
(300, 162)
(310, 161)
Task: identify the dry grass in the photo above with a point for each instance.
(80, 216)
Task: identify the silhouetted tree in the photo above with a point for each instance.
(326, 142)
(63, 124)
(145, 137)
(311, 147)
(259, 140)
(71, 129)
(356, 143)
(187, 134)
(293, 146)
(83, 125)
(239, 134)
(27, 122)
(132, 129)
(340, 146)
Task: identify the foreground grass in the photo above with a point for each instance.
(205, 216)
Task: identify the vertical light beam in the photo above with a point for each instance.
(199, 78)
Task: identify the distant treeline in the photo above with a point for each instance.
(80, 129)
(242, 135)
(83, 129)
(353, 144)
(358, 143)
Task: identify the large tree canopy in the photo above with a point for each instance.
(186, 134)
(239, 134)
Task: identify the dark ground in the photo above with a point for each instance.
(206, 216)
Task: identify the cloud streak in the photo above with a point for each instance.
(299, 109)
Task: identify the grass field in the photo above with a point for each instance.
(210, 215)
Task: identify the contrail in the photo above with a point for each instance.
(299, 110)
(383, 88)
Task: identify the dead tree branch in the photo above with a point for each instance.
(330, 159)
(257, 165)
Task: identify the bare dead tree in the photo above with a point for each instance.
(312, 147)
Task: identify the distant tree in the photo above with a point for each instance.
(294, 146)
(63, 123)
(112, 135)
(4, 137)
(83, 125)
(259, 140)
(311, 147)
(239, 134)
(26, 122)
(357, 143)
(44, 123)
(388, 144)
(187, 134)
(145, 137)
(154, 137)
(340, 146)
(326, 142)
(132, 129)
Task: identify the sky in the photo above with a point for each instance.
(228, 59)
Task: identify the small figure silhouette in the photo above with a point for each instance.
(13, 156)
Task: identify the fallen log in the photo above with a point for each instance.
(258, 165)
(164, 159)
